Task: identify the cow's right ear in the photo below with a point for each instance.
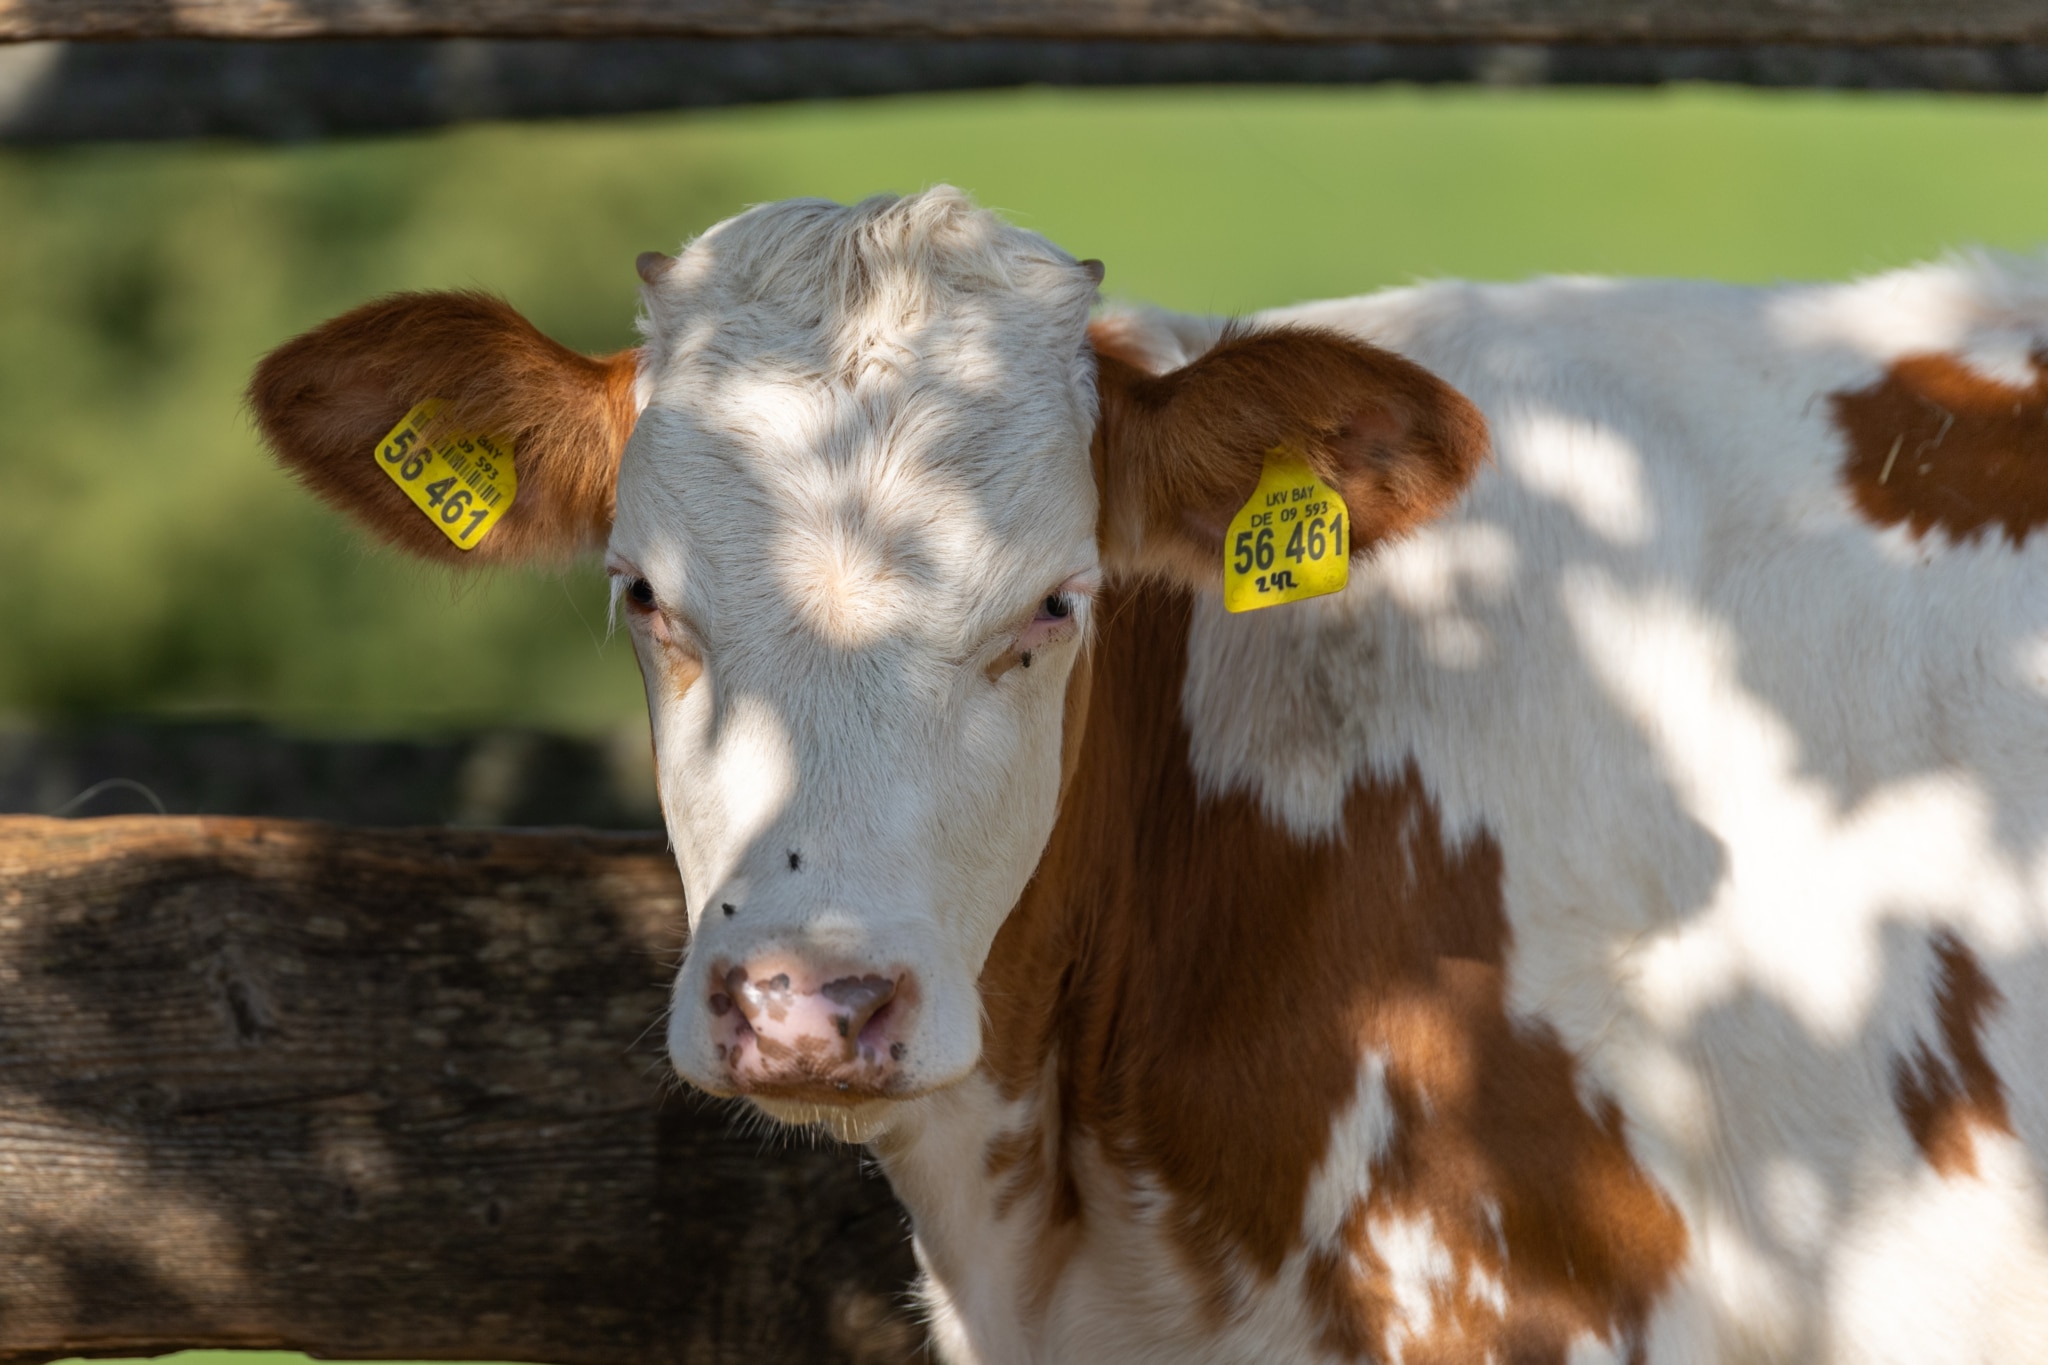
(326, 401)
(1178, 451)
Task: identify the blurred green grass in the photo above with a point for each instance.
(151, 561)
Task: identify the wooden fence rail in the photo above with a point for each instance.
(391, 1094)
(78, 92)
(1489, 21)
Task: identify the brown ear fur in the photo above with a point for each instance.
(326, 399)
(1177, 454)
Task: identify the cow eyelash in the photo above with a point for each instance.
(632, 591)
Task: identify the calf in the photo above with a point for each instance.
(1610, 926)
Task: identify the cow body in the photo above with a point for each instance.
(1610, 928)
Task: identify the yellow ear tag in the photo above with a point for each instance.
(1289, 541)
(462, 482)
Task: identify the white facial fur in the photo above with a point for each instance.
(862, 467)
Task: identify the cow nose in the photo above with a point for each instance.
(851, 1001)
(836, 1041)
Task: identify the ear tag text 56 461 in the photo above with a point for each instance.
(1290, 541)
(461, 481)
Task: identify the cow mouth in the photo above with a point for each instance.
(826, 1082)
(857, 1121)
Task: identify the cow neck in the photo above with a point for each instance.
(1193, 994)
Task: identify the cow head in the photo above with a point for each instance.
(857, 492)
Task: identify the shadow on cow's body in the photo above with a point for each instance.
(1609, 928)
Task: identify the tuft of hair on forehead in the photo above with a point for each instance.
(937, 240)
(883, 264)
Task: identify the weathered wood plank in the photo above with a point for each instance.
(1668, 21)
(391, 1094)
(73, 92)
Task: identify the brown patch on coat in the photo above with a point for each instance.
(1946, 1100)
(1074, 718)
(326, 399)
(1177, 454)
(1936, 444)
(1487, 1108)
(1193, 991)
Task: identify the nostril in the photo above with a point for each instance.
(862, 995)
(875, 1035)
(853, 991)
(859, 999)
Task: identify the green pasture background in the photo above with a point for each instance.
(151, 561)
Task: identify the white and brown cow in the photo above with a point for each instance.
(1615, 927)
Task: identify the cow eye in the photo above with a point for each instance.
(1055, 607)
(641, 594)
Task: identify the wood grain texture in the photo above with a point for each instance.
(1670, 21)
(391, 1094)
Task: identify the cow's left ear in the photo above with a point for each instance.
(326, 402)
(1177, 454)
